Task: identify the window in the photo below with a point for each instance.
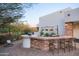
(46, 29)
(68, 14)
(51, 29)
(60, 11)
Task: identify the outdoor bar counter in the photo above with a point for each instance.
(42, 43)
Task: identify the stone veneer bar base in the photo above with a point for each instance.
(43, 43)
(40, 44)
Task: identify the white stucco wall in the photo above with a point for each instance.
(54, 19)
(74, 15)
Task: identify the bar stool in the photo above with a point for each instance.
(68, 44)
(62, 44)
(74, 43)
(53, 46)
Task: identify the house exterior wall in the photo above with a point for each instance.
(50, 30)
(64, 19)
(74, 15)
(70, 28)
(54, 19)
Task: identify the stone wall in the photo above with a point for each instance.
(40, 44)
(68, 29)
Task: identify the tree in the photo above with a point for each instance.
(9, 12)
(33, 29)
(20, 27)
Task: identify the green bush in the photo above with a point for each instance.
(4, 38)
(46, 34)
(4, 30)
(41, 33)
(53, 34)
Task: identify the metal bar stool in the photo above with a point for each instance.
(74, 43)
(51, 46)
(54, 46)
(62, 44)
(68, 44)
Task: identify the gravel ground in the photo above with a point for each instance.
(18, 50)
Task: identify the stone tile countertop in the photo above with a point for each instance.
(49, 38)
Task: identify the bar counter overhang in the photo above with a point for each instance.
(42, 43)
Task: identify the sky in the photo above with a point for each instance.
(33, 14)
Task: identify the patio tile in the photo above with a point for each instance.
(18, 50)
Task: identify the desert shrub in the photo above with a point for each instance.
(41, 33)
(46, 34)
(53, 33)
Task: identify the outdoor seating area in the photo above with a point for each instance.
(18, 50)
(63, 43)
(49, 32)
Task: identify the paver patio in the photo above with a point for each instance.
(18, 50)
